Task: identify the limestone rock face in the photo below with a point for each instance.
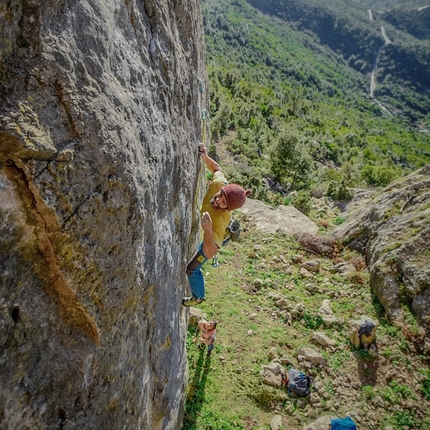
(392, 229)
(100, 108)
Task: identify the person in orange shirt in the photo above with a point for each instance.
(220, 199)
(208, 334)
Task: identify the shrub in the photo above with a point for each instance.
(405, 418)
(291, 161)
(302, 202)
(357, 278)
(426, 384)
(358, 262)
(317, 192)
(312, 322)
(368, 392)
(338, 191)
(379, 176)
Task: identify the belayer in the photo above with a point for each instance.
(220, 199)
(207, 335)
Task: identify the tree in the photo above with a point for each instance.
(379, 176)
(290, 161)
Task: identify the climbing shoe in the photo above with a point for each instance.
(191, 301)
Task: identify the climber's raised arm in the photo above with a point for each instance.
(211, 164)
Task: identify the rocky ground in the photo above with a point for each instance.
(281, 306)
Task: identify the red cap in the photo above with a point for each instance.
(235, 196)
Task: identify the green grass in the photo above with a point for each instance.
(226, 391)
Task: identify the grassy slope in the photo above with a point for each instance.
(225, 391)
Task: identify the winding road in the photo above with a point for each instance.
(372, 76)
(375, 63)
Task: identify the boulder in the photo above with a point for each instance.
(284, 220)
(314, 357)
(312, 265)
(276, 423)
(272, 374)
(390, 227)
(322, 423)
(326, 313)
(322, 339)
(344, 268)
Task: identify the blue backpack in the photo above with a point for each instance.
(299, 384)
(343, 424)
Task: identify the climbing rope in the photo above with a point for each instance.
(204, 118)
(202, 178)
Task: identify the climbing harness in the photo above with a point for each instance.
(196, 260)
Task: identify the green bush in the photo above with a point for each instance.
(312, 322)
(378, 176)
(302, 201)
(405, 418)
(426, 384)
(291, 162)
(339, 191)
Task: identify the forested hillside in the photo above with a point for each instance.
(410, 18)
(290, 92)
(386, 4)
(356, 35)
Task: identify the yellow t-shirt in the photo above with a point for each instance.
(220, 219)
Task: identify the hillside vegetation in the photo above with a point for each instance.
(295, 110)
(410, 17)
(347, 28)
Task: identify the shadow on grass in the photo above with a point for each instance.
(367, 366)
(196, 391)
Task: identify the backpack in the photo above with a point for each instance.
(234, 230)
(299, 383)
(365, 330)
(343, 424)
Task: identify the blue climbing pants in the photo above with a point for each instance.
(195, 275)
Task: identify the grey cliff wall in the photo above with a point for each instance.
(99, 119)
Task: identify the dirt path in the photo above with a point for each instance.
(372, 76)
(375, 64)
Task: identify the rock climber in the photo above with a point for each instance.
(220, 199)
